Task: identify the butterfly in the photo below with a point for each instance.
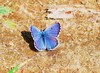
(45, 39)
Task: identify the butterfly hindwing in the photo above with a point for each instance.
(39, 44)
(37, 37)
(50, 42)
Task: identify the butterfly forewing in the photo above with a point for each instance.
(35, 32)
(53, 31)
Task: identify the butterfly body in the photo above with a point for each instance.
(45, 39)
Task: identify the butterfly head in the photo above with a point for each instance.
(43, 33)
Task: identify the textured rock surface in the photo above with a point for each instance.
(79, 40)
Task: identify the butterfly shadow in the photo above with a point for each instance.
(28, 38)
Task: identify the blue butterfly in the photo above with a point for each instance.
(45, 39)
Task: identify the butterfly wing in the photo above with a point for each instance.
(50, 36)
(38, 39)
(51, 43)
(53, 31)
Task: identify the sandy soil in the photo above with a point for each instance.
(78, 50)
